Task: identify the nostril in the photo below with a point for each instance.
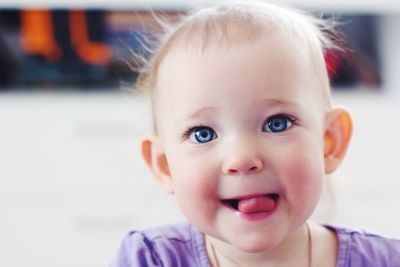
(254, 168)
(232, 171)
(236, 171)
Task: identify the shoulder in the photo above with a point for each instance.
(169, 245)
(362, 248)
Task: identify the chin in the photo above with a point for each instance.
(255, 246)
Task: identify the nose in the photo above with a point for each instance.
(242, 162)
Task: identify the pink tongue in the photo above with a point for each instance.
(256, 204)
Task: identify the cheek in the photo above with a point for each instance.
(304, 174)
(193, 173)
(195, 185)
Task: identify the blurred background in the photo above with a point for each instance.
(71, 178)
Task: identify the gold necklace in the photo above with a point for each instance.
(309, 248)
(215, 262)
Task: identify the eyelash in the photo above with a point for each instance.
(189, 130)
(195, 133)
(288, 120)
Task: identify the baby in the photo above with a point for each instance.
(244, 136)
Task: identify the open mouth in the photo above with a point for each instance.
(253, 204)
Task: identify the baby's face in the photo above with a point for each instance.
(242, 129)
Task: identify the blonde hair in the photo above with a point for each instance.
(233, 22)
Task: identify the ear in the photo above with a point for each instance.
(154, 156)
(336, 137)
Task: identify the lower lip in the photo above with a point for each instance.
(254, 216)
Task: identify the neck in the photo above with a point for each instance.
(295, 250)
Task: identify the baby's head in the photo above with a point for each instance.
(244, 127)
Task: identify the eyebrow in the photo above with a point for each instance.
(200, 112)
(272, 102)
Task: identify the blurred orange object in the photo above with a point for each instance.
(37, 34)
(89, 52)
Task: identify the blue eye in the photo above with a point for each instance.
(202, 134)
(278, 123)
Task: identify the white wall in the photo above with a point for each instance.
(71, 179)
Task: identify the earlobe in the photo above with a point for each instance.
(336, 137)
(154, 156)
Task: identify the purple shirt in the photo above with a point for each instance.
(182, 245)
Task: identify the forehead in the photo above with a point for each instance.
(277, 62)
